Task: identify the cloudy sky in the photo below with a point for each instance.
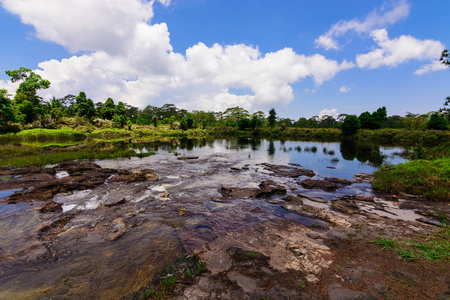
(304, 58)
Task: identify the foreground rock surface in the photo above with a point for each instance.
(105, 230)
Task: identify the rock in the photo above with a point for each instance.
(186, 157)
(235, 168)
(163, 195)
(234, 192)
(269, 187)
(345, 205)
(117, 229)
(318, 184)
(357, 198)
(49, 207)
(295, 165)
(315, 199)
(149, 174)
(430, 222)
(114, 200)
(256, 210)
(292, 198)
(362, 177)
(329, 167)
(287, 171)
(338, 180)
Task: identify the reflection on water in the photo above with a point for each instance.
(338, 159)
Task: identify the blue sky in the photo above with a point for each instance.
(304, 58)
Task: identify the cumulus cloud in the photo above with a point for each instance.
(434, 66)
(392, 52)
(344, 89)
(328, 112)
(133, 61)
(379, 17)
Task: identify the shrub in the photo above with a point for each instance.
(437, 122)
(350, 125)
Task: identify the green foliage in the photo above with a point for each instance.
(108, 109)
(120, 109)
(244, 123)
(31, 83)
(350, 125)
(155, 121)
(272, 117)
(6, 110)
(437, 122)
(84, 107)
(119, 121)
(419, 177)
(374, 120)
(183, 124)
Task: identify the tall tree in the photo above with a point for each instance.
(84, 107)
(31, 83)
(108, 109)
(272, 117)
(446, 109)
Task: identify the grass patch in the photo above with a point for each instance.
(183, 269)
(419, 177)
(436, 247)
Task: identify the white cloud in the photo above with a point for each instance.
(344, 89)
(137, 64)
(434, 66)
(393, 52)
(376, 19)
(329, 112)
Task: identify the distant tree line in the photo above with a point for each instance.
(30, 111)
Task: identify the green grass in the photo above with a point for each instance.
(436, 247)
(419, 177)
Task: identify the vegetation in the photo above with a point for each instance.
(432, 248)
(429, 178)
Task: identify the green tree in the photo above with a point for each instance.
(108, 109)
(120, 109)
(6, 110)
(446, 109)
(437, 122)
(119, 121)
(244, 123)
(31, 83)
(84, 107)
(272, 117)
(350, 125)
(255, 122)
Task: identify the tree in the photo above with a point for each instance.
(120, 109)
(108, 109)
(272, 117)
(446, 109)
(31, 83)
(84, 107)
(119, 121)
(6, 111)
(437, 122)
(255, 122)
(244, 123)
(350, 125)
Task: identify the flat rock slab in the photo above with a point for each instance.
(288, 171)
(318, 184)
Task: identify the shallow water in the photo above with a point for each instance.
(90, 250)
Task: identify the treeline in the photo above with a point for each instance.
(27, 110)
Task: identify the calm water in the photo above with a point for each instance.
(338, 159)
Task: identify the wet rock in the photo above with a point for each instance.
(256, 210)
(295, 165)
(186, 157)
(362, 177)
(163, 195)
(114, 200)
(430, 222)
(338, 180)
(358, 198)
(248, 284)
(269, 187)
(318, 184)
(292, 198)
(117, 229)
(148, 174)
(235, 168)
(287, 171)
(73, 167)
(330, 167)
(234, 192)
(50, 207)
(345, 205)
(315, 199)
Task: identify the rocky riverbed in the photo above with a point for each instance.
(106, 230)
